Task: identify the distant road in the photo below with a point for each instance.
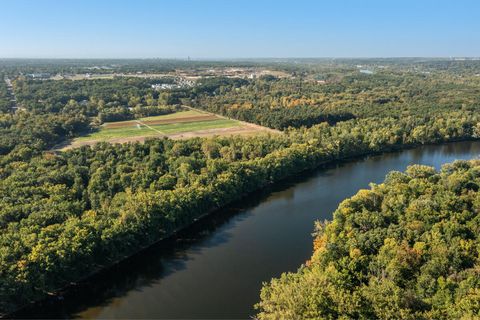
(13, 98)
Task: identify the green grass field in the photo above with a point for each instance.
(173, 128)
(106, 134)
(141, 130)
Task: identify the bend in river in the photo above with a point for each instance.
(215, 268)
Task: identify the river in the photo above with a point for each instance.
(215, 268)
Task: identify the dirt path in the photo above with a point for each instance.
(11, 93)
(146, 125)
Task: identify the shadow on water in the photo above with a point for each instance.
(152, 266)
(148, 267)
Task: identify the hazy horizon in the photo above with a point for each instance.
(213, 59)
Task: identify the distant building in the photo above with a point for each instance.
(366, 71)
(180, 83)
(165, 86)
(37, 76)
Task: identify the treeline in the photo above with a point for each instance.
(404, 249)
(5, 104)
(297, 65)
(260, 102)
(107, 66)
(303, 101)
(282, 118)
(64, 216)
(23, 134)
(108, 99)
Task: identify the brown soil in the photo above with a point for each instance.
(240, 130)
(181, 120)
(122, 124)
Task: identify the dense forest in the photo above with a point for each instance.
(65, 215)
(5, 104)
(404, 249)
(295, 102)
(108, 99)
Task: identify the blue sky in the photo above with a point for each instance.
(238, 29)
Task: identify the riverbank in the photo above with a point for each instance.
(370, 261)
(102, 269)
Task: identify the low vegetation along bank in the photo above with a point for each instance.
(404, 249)
(65, 215)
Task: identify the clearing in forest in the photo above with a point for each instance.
(178, 125)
